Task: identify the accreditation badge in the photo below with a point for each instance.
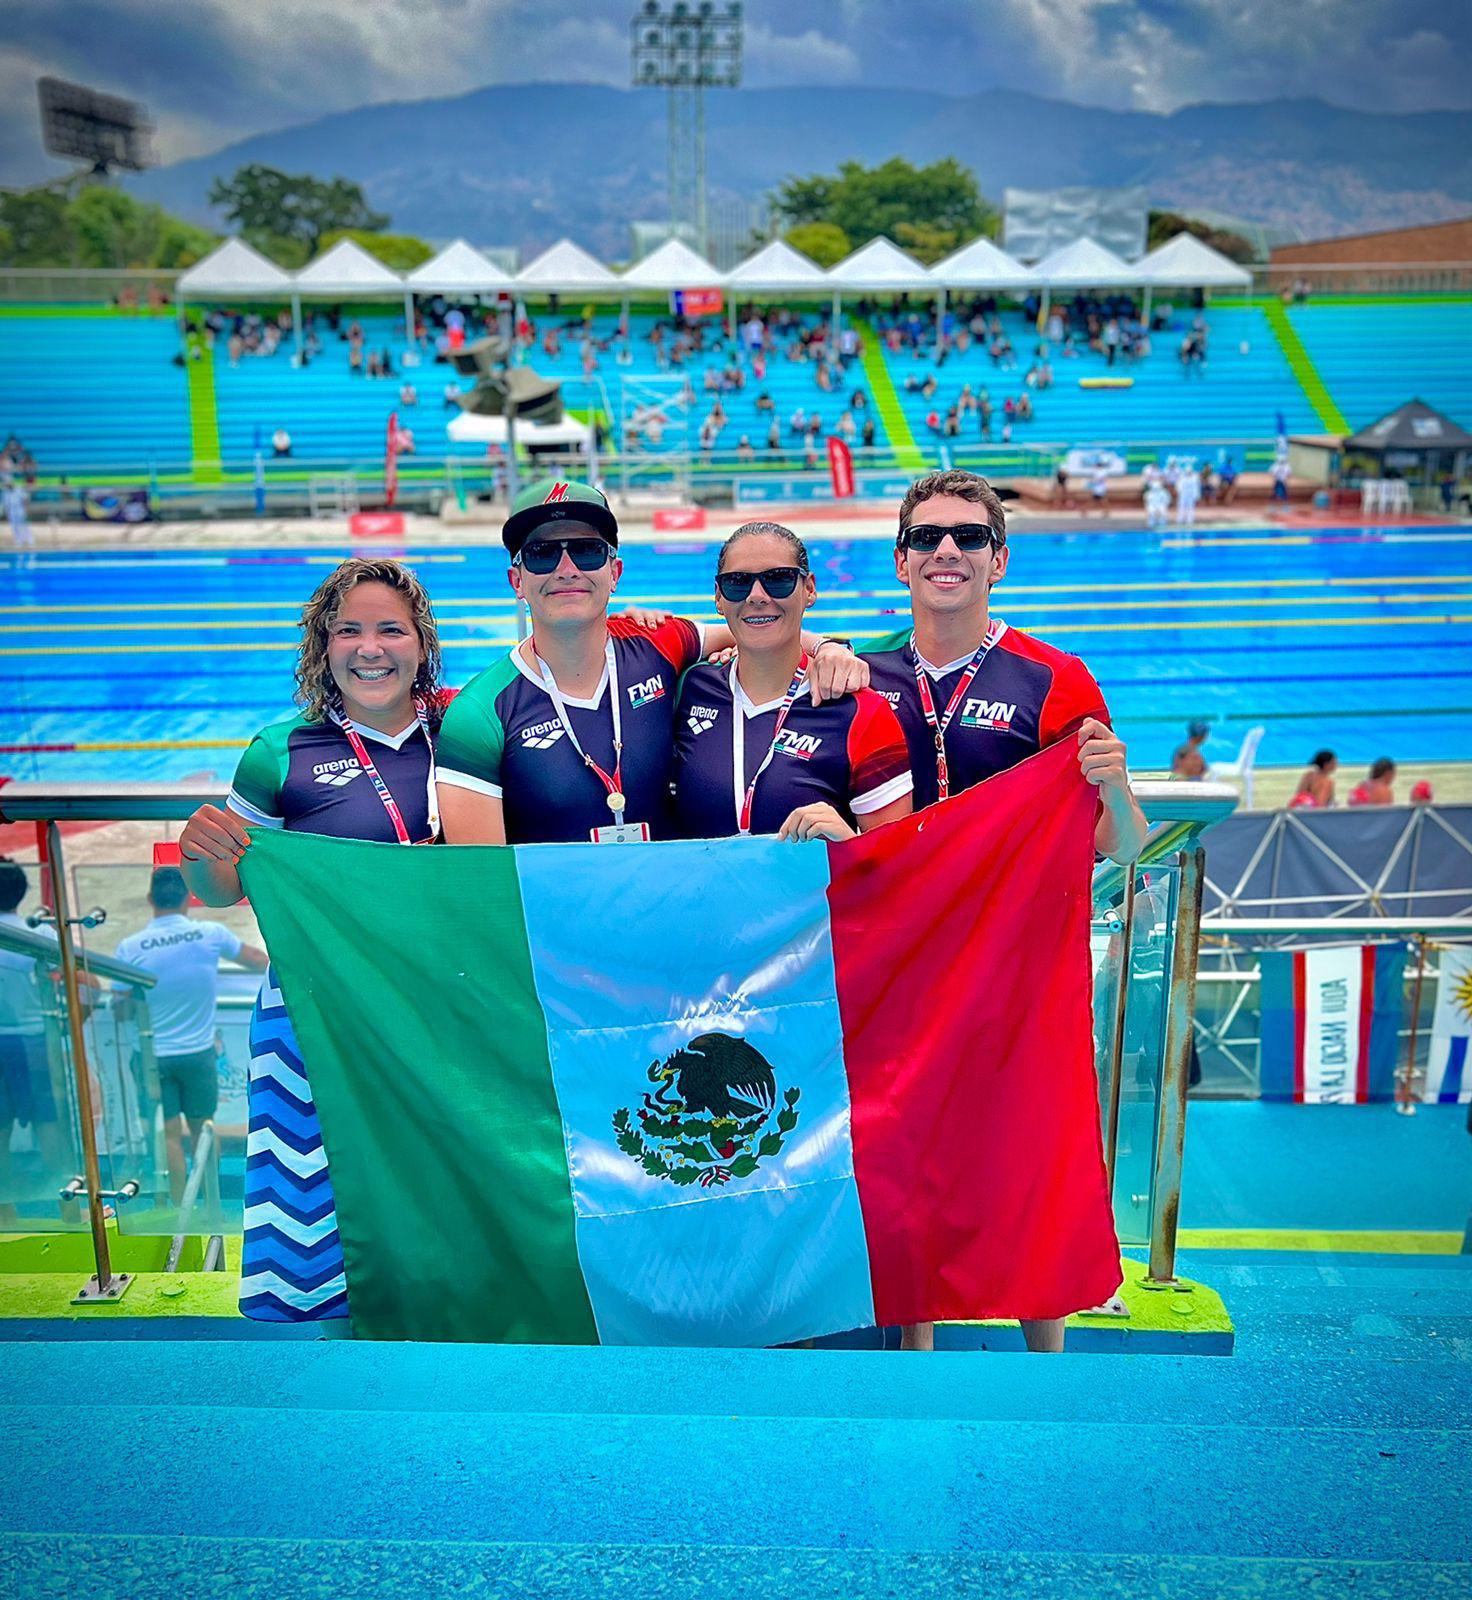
(620, 833)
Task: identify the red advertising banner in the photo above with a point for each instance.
(840, 468)
(699, 302)
(376, 525)
(680, 519)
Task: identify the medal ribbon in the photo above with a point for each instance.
(738, 741)
(927, 701)
(612, 782)
(384, 793)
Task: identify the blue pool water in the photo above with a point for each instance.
(1354, 638)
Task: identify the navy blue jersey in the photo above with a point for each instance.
(849, 752)
(502, 737)
(304, 777)
(1026, 695)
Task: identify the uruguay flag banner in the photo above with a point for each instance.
(1331, 1023)
(735, 1092)
(1448, 1078)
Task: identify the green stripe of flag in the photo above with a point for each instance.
(368, 1009)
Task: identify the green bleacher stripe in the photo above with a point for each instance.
(204, 418)
(886, 402)
(1331, 418)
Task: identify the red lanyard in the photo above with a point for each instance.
(738, 741)
(927, 701)
(385, 795)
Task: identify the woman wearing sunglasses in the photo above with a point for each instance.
(356, 763)
(753, 753)
(570, 736)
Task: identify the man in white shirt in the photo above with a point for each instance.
(184, 955)
(26, 1094)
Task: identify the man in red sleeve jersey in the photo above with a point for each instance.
(976, 697)
(571, 734)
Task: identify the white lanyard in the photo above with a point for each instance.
(612, 782)
(385, 795)
(744, 792)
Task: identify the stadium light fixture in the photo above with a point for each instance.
(686, 49)
(82, 124)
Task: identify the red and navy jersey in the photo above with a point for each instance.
(304, 777)
(1026, 695)
(849, 752)
(502, 737)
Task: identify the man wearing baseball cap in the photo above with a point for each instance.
(570, 736)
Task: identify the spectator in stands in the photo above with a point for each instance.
(452, 393)
(281, 443)
(774, 435)
(868, 433)
(1111, 341)
(744, 452)
(764, 402)
(845, 425)
(386, 363)
(798, 421)
(374, 367)
(406, 443)
(1379, 788)
(1187, 760)
(408, 394)
(858, 400)
(1316, 786)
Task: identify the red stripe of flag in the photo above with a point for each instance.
(1300, 1018)
(1367, 1017)
(983, 1191)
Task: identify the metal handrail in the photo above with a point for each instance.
(47, 951)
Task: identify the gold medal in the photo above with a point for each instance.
(616, 801)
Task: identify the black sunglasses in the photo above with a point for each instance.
(969, 536)
(777, 582)
(545, 555)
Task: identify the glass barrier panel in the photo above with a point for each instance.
(169, 1062)
(39, 1148)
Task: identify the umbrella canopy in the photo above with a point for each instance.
(345, 269)
(566, 268)
(233, 270)
(673, 266)
(982, 265)
(1085, 264)
(881, 265)
(1186, 263)
(458, 269)
(778, 269)
(1414, 426)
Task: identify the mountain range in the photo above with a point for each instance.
(524, 164)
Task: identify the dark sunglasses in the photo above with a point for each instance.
(545, 555)
(969, 536)
(777, 582)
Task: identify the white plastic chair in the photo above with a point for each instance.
(1241, 768)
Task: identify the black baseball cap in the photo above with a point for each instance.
(552, 500)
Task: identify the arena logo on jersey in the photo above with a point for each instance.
(802, 745)
(892, 695)
(988, 714)
(336, 773)
(640, 694)
(541, 735)
(702, 718)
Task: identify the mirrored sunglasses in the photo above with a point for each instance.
(777, 583)
(545, 555)
(969, 536)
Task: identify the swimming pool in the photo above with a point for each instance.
(158, 664)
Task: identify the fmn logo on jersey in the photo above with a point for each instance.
(802, 745)
(336, 773)
(640, 694)
(541, 735)
(702, 718)
(988, 714)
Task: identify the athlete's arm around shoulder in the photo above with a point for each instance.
(468, 761)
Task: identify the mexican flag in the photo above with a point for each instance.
(734, 1092)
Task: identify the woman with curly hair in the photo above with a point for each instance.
(357, 762)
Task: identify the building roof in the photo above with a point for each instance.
(1186, 263)
(566, 268)
(233, 269)
(1413, 426)
(983, 265)
(881, 265)
(347, 268)
(459, 269)
(674, 265)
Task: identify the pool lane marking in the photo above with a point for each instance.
(1049, 609)
(507, 602)
(484, 642)
(1360, 1242)
(1297, 539)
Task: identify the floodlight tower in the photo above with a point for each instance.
(687, 49)
(86, 125)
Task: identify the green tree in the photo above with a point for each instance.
(823, 241)
(262, 201)
(112, 229)
(930, 210)
(401, 251)
(1165, 225)
(37, 231)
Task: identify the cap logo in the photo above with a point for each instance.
(559, 492)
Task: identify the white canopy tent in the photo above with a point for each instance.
(1184, 262)
(673, 266)
(1084, 264)
(879, 265)
(458, 269)
(778, 269)
(566, 268)
(233, 271)
(345, 271)
(978, 265)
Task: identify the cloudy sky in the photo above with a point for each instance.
(215, 70)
